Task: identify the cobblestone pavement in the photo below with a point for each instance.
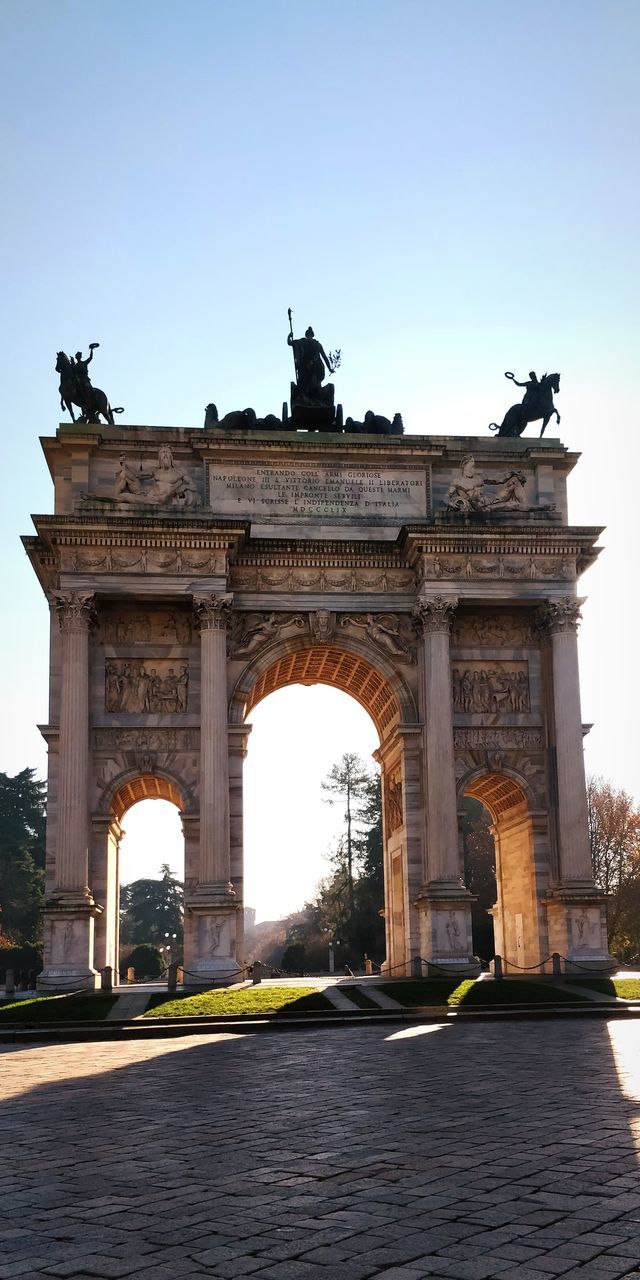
(462, 1151)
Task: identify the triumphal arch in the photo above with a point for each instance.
(191, 572)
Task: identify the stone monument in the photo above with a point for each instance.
(191, 572)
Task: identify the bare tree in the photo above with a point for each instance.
(614, 833)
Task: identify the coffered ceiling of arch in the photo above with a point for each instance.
(323, 664)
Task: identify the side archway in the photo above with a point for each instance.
(125, 791)
(522, 865)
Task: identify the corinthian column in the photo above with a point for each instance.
(70, 910)
(560, 619)
(436, 616)
(210, 939)
(576, 909)
(212, 614)
(446, 941)
(75, 612)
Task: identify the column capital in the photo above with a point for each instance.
(75, 609)
(212, 611)
(559, 616)
(436, 613)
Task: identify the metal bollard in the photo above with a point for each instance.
(416, 965)
(106, 976)
(131, 974)
(32, 979)
(23, 984)
(557, 965)
(257, 972)
(180, 975)
(368, 966)
(497, 968)
(10, 982)
(172, 976)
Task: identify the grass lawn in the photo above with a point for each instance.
(446, 992)
(626, 988)
(259, 999)
(63, 1008)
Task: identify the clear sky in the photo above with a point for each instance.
(445, 190)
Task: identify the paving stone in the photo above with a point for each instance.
(237, 1156)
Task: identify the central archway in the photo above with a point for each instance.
(377, 685)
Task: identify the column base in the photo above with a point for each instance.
(577, 923)
(68, 953)
(210, 955)
(445, 930)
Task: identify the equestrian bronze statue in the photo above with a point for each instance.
(537, 403)
(76, 388)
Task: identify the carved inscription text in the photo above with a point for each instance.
(337, 489)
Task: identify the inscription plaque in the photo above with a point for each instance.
(334, 489)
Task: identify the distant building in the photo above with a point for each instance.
(249, 917)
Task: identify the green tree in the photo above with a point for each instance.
(22, 855)
(152, 909)
(349, 783)
(614, 835)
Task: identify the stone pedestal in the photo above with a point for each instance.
(577, 924)
(446, 905)
(213, 962)
(69, 937)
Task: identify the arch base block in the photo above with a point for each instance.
(210, 943)
(445, 931)
(69, 928)
(577, 923)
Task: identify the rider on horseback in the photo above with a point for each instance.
(532, 389)
(81, 372)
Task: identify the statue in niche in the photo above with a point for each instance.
(68, 939)
(164, 484)
(76, 388)
(384, 630)
(537, 403)
(214, 938)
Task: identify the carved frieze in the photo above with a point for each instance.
(165, 483)
(155, 686)
(492, 630)
(392, 633)
(159, 740)
(510, 738)
(142, 559)
(249, 632)
(435, 567)
(501, 687)
(165, 626)
(255, 578)
(394, 815)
